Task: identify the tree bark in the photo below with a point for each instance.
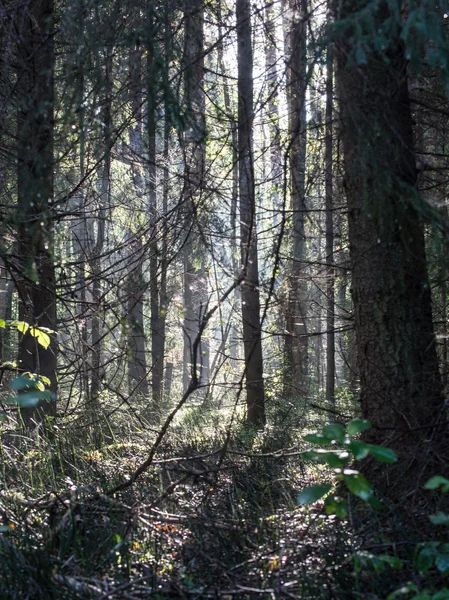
(401, 391)
(255, 397)
(330, 283)
(137, 364)
(296, 341)
(195, 282)
(35, 132)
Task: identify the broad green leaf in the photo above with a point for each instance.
(440, 518)
(21, 382)
(313, 493)
(335, 459)
(385, 455)
(442, 563)
(336, 506)
(317, 438)
(10, 364)
(426, 558)
(356, 426)
(358, 485)
(437, 481)
(2, 323)
(375, 503)
(393, 561)
(21, 326)
(441, 595)
(31, 398)
(359, 449)
(42, 338)
(334, 431)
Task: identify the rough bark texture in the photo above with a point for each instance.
(401, 392)
(35, 127)
(250, 286)
(296, 343)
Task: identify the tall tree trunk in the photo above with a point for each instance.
(330, 283)
(401, 391)
(137, 364)
(252, 335)
(273, 112)
(35, 129)
(296, 342)
(195, 282)
(95, 259)
(234, 332)
(80, 234)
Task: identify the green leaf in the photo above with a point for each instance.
(356, 426)
(375, 503)
(393, 561)
(442, 563)
(359, 449)
(31, 398)
(2, 323)
(441, 595)
(440, 518)
(358, 485)
(42, 338)
(334, 431)
(437, 481)
(335, 459)
(403, 591)
(21, 382)
(317, 438)
(426, 558)
(385, 455)
(21, 326)
(313, 493)
(336, 506)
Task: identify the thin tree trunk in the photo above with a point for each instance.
(330, 283)
(252, 335)
(104, 202)
(273, 112)
(234, 333)
(195, 282)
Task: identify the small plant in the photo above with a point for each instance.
(343, 449)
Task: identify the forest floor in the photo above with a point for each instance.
(210, 518)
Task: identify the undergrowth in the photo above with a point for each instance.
(216, 515)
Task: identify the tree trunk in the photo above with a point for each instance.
(330, 283)
(35, 128)
(273, 113)
(296, 342)
(137, 364)
(95, 261)
(401, 391)
(250, 286)
(195, 282)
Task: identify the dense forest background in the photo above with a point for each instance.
(224, 299)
